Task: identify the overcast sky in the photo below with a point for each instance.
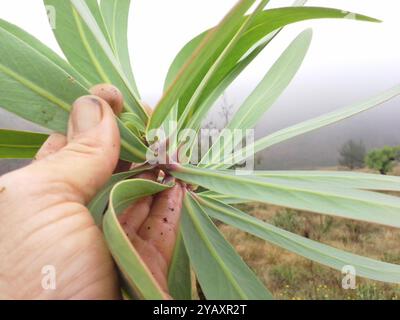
(159, 28)
(348, 62)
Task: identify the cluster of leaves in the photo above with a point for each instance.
(383, 159)
(39, 86)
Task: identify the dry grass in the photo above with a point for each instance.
(289, 276)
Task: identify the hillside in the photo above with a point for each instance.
(290, 276)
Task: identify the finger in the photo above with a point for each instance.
(88, 160)
(111, 95)
(54, 143)
(162, 226)
(115, 99)
(153, 259)
(134, 216)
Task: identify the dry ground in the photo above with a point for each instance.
(289, 276)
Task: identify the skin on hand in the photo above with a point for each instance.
(44, 220)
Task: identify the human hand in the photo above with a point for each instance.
(44, 220)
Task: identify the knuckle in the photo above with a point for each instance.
(85, 147)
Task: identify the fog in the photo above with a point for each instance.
(348, 62)
(304, 100)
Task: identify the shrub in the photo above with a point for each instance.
(383, 159)
(287, 219)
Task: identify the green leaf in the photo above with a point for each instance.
(217, 91)
(184, 54)
(44, 51)
(170, 131)
(222, 197)
(181, 58)
(133, 123)
(318, 252)
(35, 86)
(332, 179)
(190, 107)
(20, 144)
(263, 25)
(133, 149)
(179, 274)
(82, 35)
(136, 275)
(342, 202)
(33, 83)
(220, 270)
(99, 203)
(273, 84)
(308, 126)
(267, 92)
(195, 70)
(116, 17)
(274, 19)
(351, 180)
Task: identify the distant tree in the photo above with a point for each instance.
(352, 154)
(225, 112)
(383, 159)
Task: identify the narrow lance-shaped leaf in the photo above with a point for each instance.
(196, 122)
(273, 19)
(179, 274)
(354, 180)
(189, 109)
(216, 87)
(220, 270)
(138, 279)
(307, 126)
(99, 204)
(44, 51)
(133, 123)
(82, 35)
(216, 91)
(230, 76)
(342, 202)
(267, 92)
(318, 252)
(262, 26)
(189, 48)
(35, 86)
(20, 144)
(273, 84)
(227, 199)
(91, 22)
(33, 83)
(195, 69)
(351, 180)
(116, 17)
(132, 147)
(170, 130)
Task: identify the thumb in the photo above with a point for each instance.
(91, 154)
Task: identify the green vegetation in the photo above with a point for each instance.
(291, 277)
(383, 159)
(40, 86)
